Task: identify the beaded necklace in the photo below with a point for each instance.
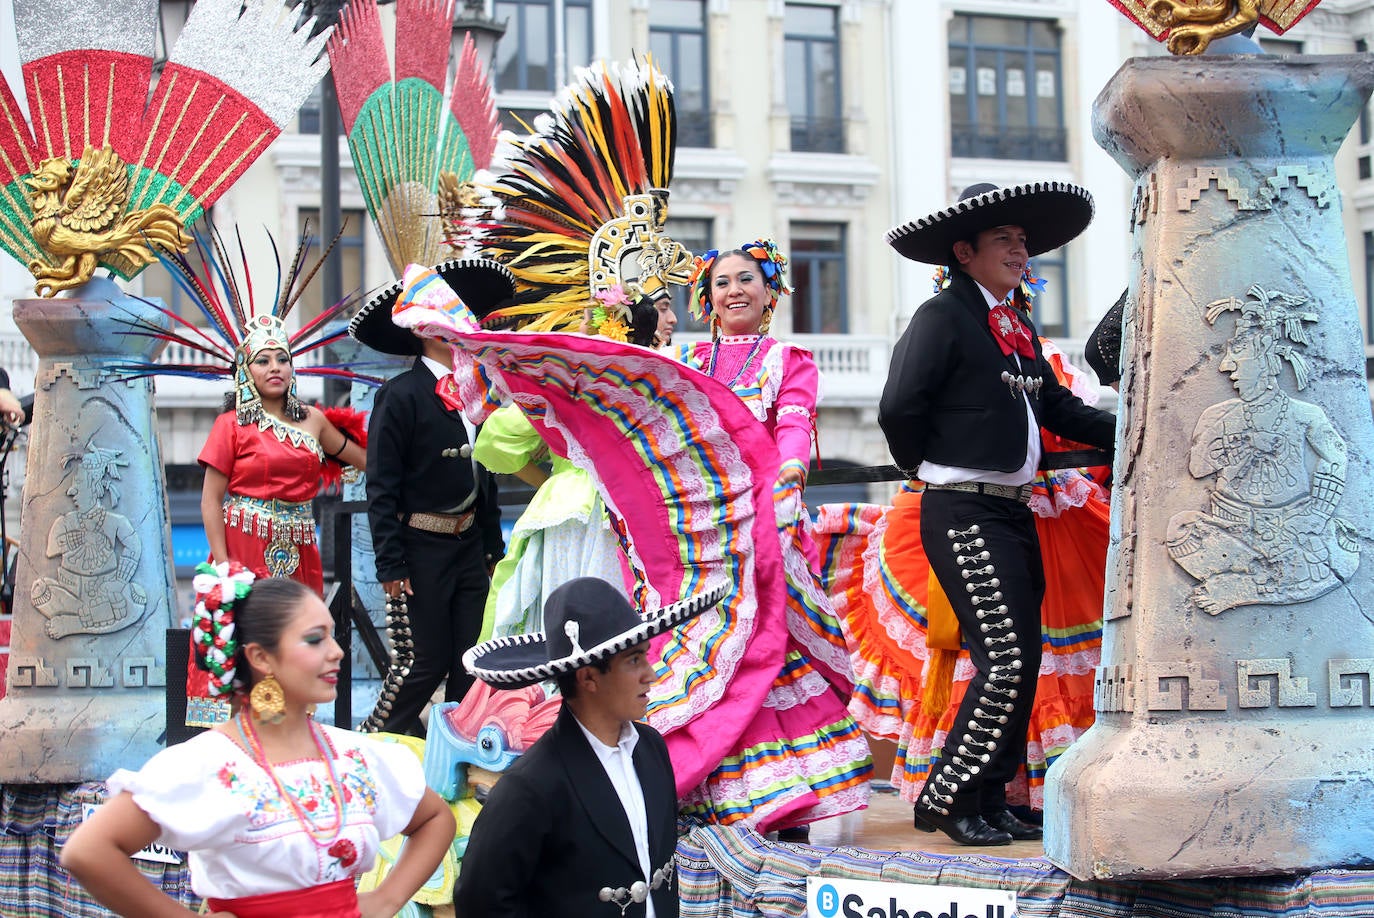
(250, 736)
(748, 359)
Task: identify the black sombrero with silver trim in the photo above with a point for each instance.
(482, 285)
(585, 620)
(1051, 213)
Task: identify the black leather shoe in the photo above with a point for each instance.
(918, 822)
(964, 830)
(1016, 828)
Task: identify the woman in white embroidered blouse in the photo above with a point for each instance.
(278, 814)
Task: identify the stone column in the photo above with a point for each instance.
(94, 594)
(1235, 733)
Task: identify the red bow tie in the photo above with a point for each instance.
(1010, 332)
(447, 390)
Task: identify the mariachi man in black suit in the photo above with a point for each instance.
(966, 396)
(435, 520)
(584, 823)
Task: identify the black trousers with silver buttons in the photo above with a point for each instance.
(985, 552)
(449, 576)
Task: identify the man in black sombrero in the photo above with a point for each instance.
(585, 822)
(433, 511)
(966, 396)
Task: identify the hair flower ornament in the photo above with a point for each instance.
(608, 311)
(772, 263)
(218, 587)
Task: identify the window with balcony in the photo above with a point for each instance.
(308, 119)
(677, 40)
(545, 41)
(820, 304)
(1050, 310)
(1279, 45)
(694, 233)
(1006, 89)
(812, 54)
(1363, 160)
(349, 251)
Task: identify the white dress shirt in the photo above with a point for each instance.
(618, 760)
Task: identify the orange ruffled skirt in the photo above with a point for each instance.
(878, 578)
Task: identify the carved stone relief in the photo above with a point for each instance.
(1177, 686)
(97, 551)
(1270, 533)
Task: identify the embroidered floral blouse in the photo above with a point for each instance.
(213, 801)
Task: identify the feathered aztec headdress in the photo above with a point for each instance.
(414, 158)
(218, 588)
(577, 207)
(102, 174)
(237, 330)
(771, 261)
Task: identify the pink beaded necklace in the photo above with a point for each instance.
(326, 750)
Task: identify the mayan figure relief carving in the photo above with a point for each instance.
(1270, 533)
(98, 551)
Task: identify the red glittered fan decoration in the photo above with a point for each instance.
(1277, 15)
(414, 156)
(105, 152)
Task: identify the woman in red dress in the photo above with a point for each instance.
(264, 462)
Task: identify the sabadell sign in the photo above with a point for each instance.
(830, 897)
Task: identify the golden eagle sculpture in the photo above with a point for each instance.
(107, 166)
(1189, 26)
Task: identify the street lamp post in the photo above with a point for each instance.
(326, 13)
(486, 32)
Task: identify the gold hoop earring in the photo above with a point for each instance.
(267, 700)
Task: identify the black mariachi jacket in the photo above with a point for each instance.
(553, 833)
(414, 465)
(946, 399)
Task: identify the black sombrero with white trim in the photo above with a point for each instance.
(585, 620)
(482, 285)
(1051, 213)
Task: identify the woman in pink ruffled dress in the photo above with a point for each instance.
(759, 733)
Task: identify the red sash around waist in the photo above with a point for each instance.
(332, 900)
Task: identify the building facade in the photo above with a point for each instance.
(820, 123)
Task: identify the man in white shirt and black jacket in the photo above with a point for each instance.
(966, 396)
(584, 824)
(433, 511)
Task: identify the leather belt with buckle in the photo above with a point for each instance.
(1020, 493)
(442, 523)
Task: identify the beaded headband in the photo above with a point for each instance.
(218, 588)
